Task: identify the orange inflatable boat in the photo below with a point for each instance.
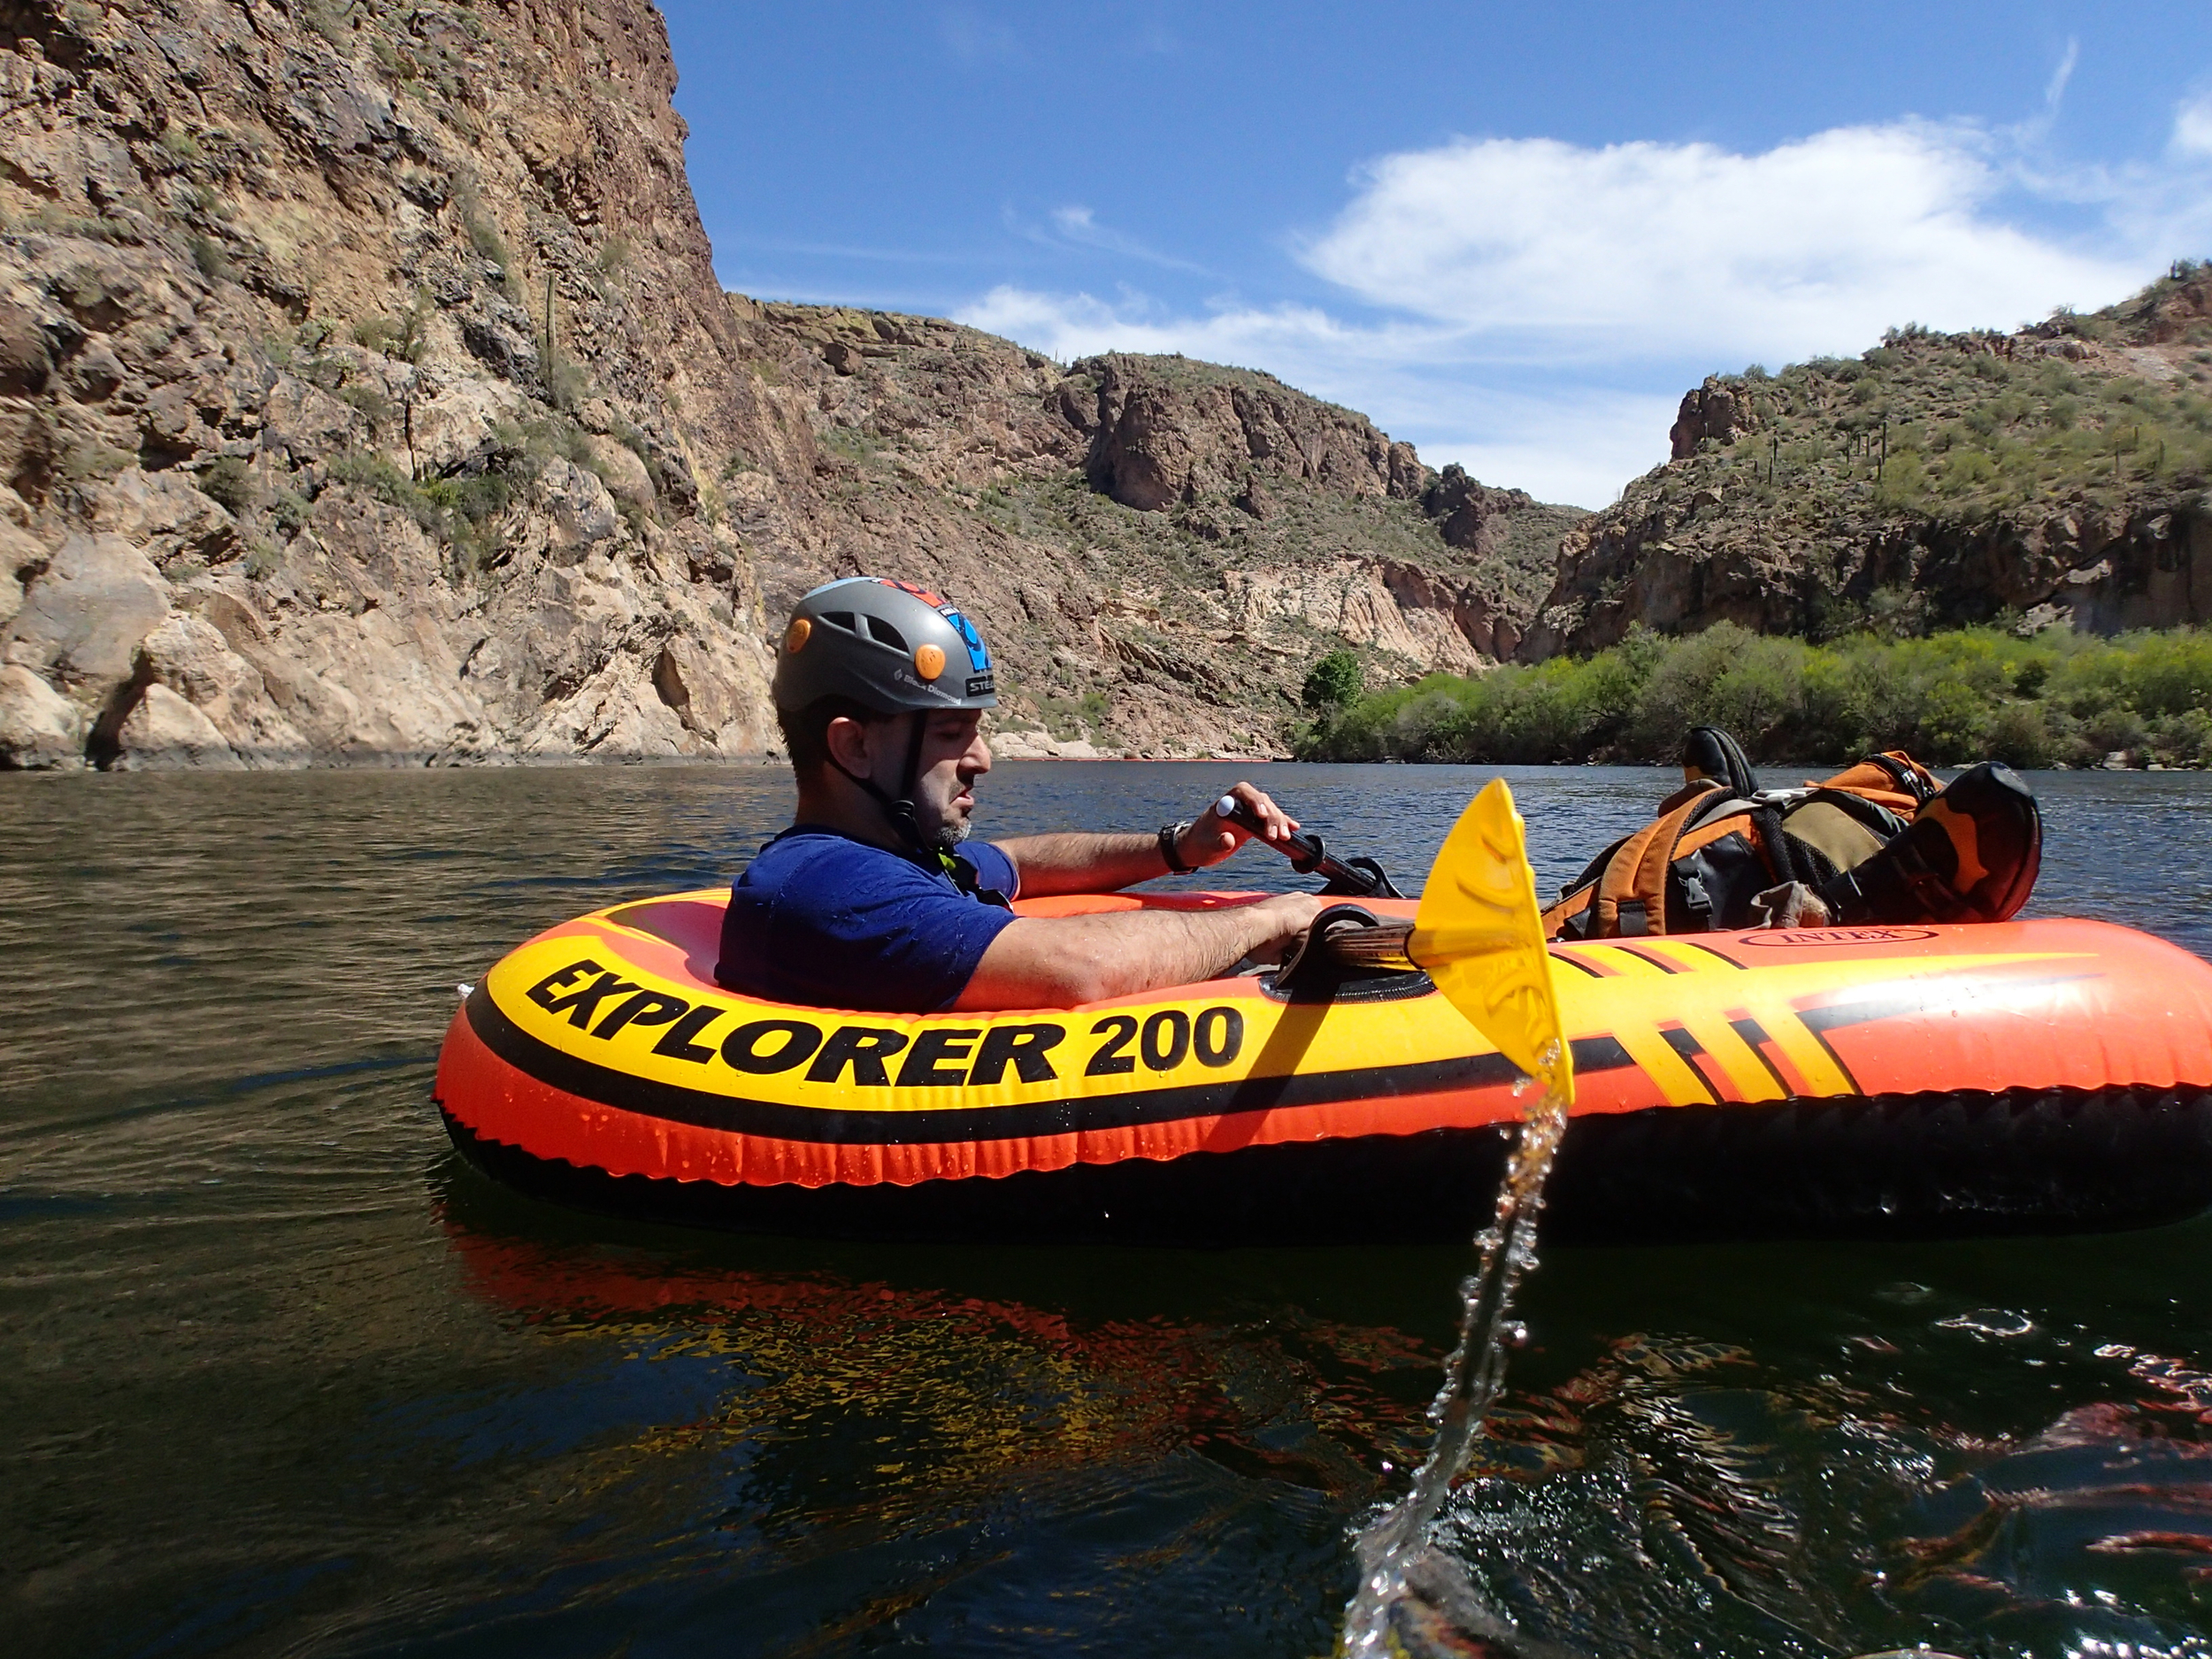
(1903, 1081)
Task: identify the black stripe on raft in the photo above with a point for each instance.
(1897, 1166)
(1660, 963)
(1717, 956)
(1688, 1048)
(1756, 1039)
(843, 1126)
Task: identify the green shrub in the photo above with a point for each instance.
(229, 483)
(88, 460)
(2019, 734)
(2171, 674)
(397, 337)
(209, 255)
(2056, 699)
(373, 475)
(375, 407)
(290, 509)
(1333, 683)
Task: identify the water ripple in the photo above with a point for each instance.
(280, 1375)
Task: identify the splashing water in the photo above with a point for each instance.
(1392, 1546)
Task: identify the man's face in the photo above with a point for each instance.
(954, 756)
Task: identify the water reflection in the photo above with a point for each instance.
(891, 1437)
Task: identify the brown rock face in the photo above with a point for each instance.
(1473, 517)
(1165, 430)
(1157, 549)
(1712, 411)
(325, 332)
(2058, 473)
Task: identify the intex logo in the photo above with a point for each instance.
(1839, 936)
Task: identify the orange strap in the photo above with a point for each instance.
(1876, 783)
(1744, 824)
(1637, 876)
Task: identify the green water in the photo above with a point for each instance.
(277, 1376)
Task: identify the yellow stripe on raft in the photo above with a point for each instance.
(631, 1001)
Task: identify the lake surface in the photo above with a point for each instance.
(278, 1376)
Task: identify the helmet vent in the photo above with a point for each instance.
(840, 618)
(887, 634)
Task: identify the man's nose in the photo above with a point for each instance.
(977, 759)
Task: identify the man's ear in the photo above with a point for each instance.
(849, 745)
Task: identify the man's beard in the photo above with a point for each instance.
(940, 831)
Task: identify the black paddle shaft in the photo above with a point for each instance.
(1358, 878)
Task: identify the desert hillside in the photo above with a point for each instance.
(2054, 474)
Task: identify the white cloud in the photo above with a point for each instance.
(1578, 447)
(1576, 444)
(2193, 127)
(1077, 225)
(974, 38)
(1078, 324)
(1672, 250)
(1533, 309)
(2054, 90)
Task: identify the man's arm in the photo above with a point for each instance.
(1079, 863)
(1057, 962)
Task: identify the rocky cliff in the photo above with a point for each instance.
(2054, 474)
(1161, 548)
(367, 395)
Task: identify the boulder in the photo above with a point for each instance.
(302, 423)
(22, 557)
(1712, 411)
(1467, 511)
(81, 621)
(164, 732)
(40, 729)
(711, 693)
(457, 423)
(190, 657)
(580, 514)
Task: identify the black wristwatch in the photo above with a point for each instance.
(1171, 849)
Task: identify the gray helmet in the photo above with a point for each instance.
(887, 645)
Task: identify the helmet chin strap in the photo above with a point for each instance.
(900, 812)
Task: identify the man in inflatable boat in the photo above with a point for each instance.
(874, 898)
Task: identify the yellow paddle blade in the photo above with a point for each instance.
(1481, 938)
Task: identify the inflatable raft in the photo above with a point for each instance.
(1905, 1081)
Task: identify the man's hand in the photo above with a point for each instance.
(1078, 862)
(1288, 915)
(1212, 838)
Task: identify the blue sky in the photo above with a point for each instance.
(1512, 235)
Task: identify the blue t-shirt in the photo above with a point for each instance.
(822, 919)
